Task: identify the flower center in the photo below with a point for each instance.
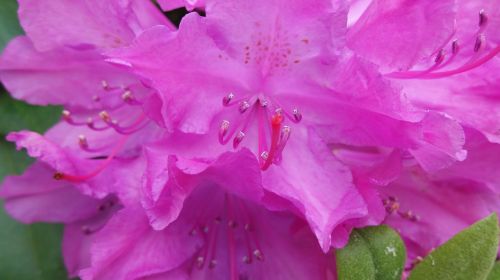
(446, 63)
(234, 225)
(272, 134)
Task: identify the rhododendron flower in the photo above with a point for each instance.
(37, 197)
(102, 103)
(446, 62)
(250, 141)
(214, 224)
(281, 88)
(428, 209)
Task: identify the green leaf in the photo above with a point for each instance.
(372, 253)
(9, 25)
(13, 162)
(17, 115)
(30, 251)
(27, 251)
(495, 272)
(469, 255)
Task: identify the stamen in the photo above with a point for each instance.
(213, 243)
(105, 117)
(82, 141)
(455, 48)
(224, 127)
(129, 98)
(439, 57)
(66, 115)
(391, 204)
(95, 172)
(200, 261)
(259, 107)
(137, 125)
(233, 272)
(237, 140)
(244, 105)
(104, 84)
(264, 155)
(91, 125)
(227, 99)
(297, 115)
(258, 255)
(409, 216)
(475, 60)
(483, 18)
(480, 40)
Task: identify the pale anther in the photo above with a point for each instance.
(455, 47)
(258, 254)
(479, 42)
(264, 155)
(82, 141)
(244, 105)
(104, 115)
(297, 115)
(237, 140)
(227, 99)
(483, 18)
(104, 84)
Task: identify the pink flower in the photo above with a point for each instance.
(427, 209)
(142, 149)
(59, 62)
(210, 222)
(446, 61)
(276, 77)
(36, 197)
(67, 68)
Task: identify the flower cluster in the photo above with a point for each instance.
(251, 140)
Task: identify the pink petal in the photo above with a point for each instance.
(166, 185)
(186, 63)
(398, 33)
(64, 76)
(36, 197)
(76, 249)
(127, 248)
(52, 24)
(317, 184)
(457, 202)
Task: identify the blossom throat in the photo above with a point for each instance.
(272, 134)
(233, 224)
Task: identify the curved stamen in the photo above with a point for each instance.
(83, 143)
(137, 125)
(95, 172)
(476, 60)
(233, 272)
